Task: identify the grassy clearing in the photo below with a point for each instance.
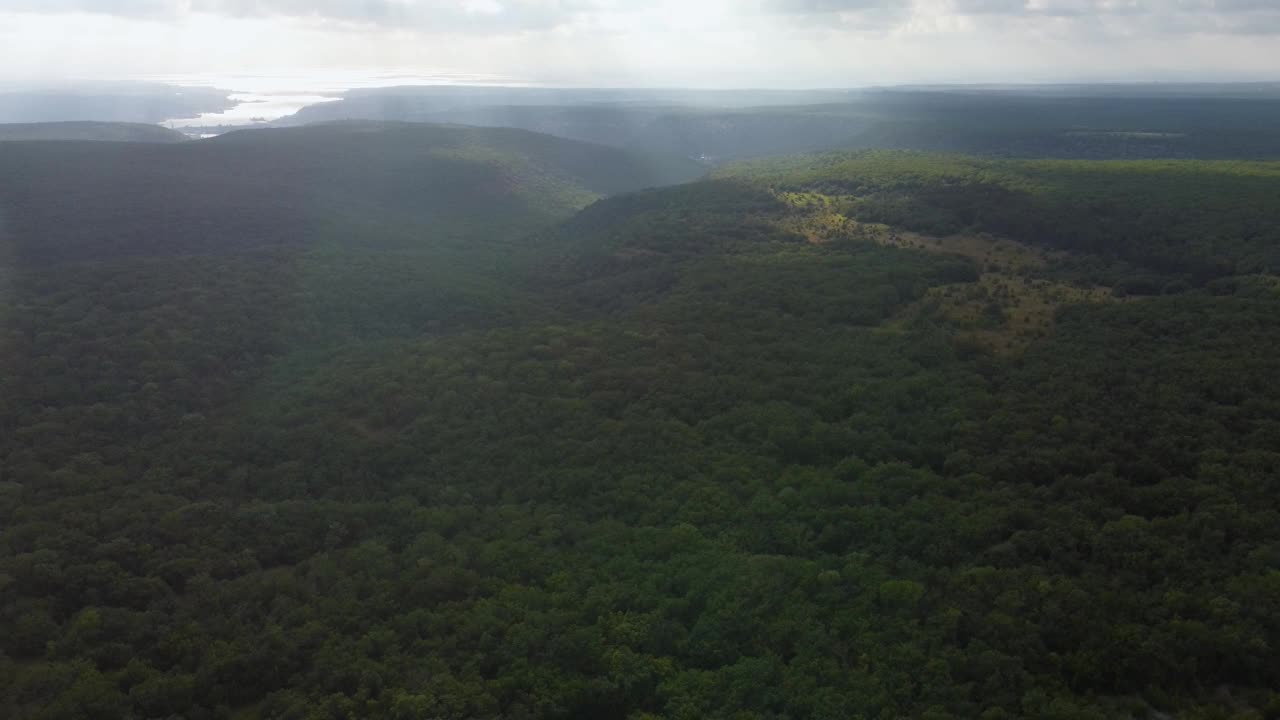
(1005, 309)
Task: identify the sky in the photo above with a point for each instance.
(669, 43)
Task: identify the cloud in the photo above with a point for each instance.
(988, 7)
(1127, 17)
(1066, 8)
(824, 7)
(445, 15)
(855, 15)
(124, 8)
(1134, 17)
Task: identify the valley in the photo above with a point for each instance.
(401, 420)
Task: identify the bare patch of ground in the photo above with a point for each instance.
(1004, 310)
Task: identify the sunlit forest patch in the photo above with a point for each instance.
(1006, 304)
(1134, 134)
(1004, 312)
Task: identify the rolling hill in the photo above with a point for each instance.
(1024, 122)
(385, 420)
(267, 187)
(237, 253)
(94, 131)
(107, 102)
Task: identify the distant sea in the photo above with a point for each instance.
(265, 97)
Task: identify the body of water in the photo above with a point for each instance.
(265, 97)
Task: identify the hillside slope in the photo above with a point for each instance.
(1061, 122)
(94, 131)
(1178, 220)
(108, 102)
(748, 447)
(523, 155)
(218, 259)
(262, 187)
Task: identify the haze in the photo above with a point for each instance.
(761, 43)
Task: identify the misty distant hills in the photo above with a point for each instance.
(109, 102)
(257, 188)
(712, 126)
(90, 131)
(1200, 90)
(1087, 122)
(593, 168)
(311, 236)
(447, 98)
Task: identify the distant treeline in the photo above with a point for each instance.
(1082, 122)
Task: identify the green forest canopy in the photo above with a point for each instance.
(665, 458)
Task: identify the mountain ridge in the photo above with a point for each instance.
(88, 131)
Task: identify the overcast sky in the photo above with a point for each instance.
(777, 43)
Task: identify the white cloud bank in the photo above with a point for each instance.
(654, 42)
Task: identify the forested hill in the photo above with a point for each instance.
(96, 131)
(1189, 221)
(263, 188)
(836, 437)
(528, 158)
(157, 278)
(1028, 122)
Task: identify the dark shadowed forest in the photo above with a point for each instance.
(395, 420)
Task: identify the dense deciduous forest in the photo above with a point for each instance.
(1179, 221)
(402, 433)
